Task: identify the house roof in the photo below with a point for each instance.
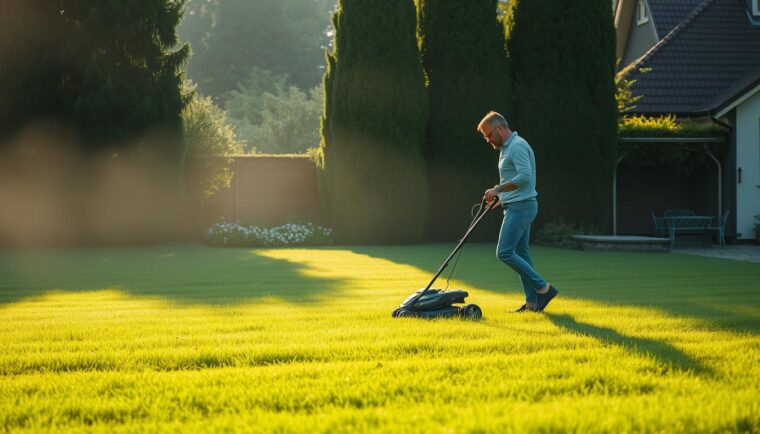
(702, 64)
(667, 14)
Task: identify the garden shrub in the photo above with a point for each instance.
(211, 143)
(668, 126)
(225, 234)
(559, 233)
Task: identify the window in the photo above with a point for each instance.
(642, 17)
(755, 7)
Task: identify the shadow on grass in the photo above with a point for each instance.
(666, 354)
(722, 293)
(183, 274)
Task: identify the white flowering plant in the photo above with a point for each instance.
(226, 234)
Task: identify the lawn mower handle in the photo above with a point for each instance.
(484, 208)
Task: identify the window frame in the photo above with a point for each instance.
(642, 15)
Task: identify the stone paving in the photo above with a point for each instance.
(739, 252)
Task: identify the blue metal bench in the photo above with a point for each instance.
(678, 213)
(687, 224)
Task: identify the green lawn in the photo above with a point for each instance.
(190, 338)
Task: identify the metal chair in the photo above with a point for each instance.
(720, 228)
(659, 225)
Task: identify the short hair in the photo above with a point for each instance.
(494, 119)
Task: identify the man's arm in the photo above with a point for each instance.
(509, 186)
(521, 160)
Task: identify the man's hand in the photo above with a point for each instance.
(491, 194)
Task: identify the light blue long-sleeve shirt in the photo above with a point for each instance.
(517, 164)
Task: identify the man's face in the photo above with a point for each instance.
(493, 135)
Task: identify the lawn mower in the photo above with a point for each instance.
(437, 303)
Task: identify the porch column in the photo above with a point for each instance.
(614, 193)
(720, 182)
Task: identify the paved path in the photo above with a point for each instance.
(741, 252)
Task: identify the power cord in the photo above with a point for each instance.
(474, 214)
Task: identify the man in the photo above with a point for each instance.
(516, 192)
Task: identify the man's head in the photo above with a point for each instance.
(495, 129)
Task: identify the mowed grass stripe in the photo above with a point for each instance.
(188, 338)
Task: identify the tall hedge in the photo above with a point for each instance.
(375, 111)
(562, 62)
(462, 47)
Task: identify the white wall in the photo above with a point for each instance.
(748, 158)
(641, 37)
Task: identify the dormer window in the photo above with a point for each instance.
(642, 17)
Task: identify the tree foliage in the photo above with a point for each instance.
(272, 117)
(231, 37)
(245, 103)
(624, 97)
(373, 126)
(108, 69)
(289, 124)
(565, 104)
(462, 47)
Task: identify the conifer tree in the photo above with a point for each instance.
(562, 62)
(462, 47)
(111, 70)
(375, 110)
(92, 92)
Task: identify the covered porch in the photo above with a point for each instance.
(658, 174)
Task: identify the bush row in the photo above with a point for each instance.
(226, 234)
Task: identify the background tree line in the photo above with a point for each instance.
(99, 123)
(262, 62)
(404, 86)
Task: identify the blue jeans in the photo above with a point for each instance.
(513, 245)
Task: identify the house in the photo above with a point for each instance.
(700, 59)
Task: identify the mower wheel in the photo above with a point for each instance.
(471, 311)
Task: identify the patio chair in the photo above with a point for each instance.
(659, 225)
(720, 228)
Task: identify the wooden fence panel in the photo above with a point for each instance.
(271, 190)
